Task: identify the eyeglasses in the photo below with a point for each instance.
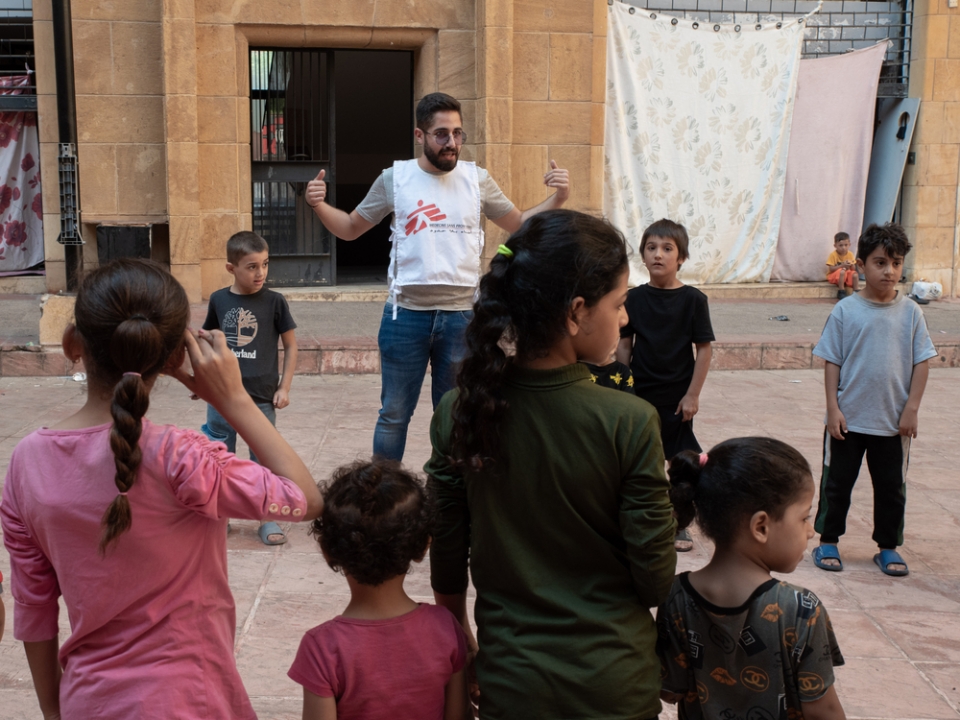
(442, 137)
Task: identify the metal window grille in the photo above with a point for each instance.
(291, 106)
(840, 26)
(16, 58)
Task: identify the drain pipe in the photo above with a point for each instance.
(69, 236)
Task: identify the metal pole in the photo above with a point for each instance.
(67, 126)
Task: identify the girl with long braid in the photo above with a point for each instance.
(551, 488)
(127, 519)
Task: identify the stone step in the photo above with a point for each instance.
(735, 291)
(360, 355)
(23, 285)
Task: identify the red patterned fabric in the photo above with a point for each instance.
(21, 202)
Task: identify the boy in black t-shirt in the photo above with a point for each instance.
(665, 319)
(253, 318)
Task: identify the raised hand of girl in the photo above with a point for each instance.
(216, 379)
(216, 372)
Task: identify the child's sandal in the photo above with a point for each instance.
(885, 558)
(827, 552)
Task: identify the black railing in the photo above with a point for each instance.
(840, 26)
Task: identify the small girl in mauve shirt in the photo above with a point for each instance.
(127, 520)
(386, 657)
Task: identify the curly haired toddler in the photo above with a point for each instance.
(386, 656)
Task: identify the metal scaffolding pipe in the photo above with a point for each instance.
(67, 129)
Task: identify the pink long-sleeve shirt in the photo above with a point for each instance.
(153, 621)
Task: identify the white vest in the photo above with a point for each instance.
(436, 233)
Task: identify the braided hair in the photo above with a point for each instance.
(737, 478)
(131, 316)
(524, 303)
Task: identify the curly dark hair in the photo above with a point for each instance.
(890, 236)
(524, 301)
(742, 476)
(377, 518)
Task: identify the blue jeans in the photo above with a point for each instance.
(407, 344)
(219, 430)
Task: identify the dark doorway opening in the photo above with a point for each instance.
(374, 127)
(346, 112)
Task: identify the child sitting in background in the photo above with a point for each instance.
(666, 319)
(386, 656)
(253, 317)
(842, 266)
(731, 637)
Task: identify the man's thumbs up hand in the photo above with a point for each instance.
(316, 190)
(557, 177)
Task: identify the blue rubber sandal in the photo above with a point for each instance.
(271, 528)
(825, 552)
(885, 558)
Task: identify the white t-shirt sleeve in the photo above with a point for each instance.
(378, 203)
(830, 346)
(492, 200)
(923, 348)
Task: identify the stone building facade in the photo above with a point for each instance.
(163, 108)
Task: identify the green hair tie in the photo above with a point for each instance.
(504, 250)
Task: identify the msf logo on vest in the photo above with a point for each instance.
(422, 216)
(240, 326)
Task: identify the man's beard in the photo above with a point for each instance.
(441, 162)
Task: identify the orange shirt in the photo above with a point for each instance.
(835, 259)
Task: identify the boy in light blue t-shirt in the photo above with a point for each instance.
(876, 347)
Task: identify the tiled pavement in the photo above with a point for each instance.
(901, 637)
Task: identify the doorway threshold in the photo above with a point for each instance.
(353, 292)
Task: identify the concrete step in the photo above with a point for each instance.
(360, 355)
(735, 291)
(337, 329)
(23, 285)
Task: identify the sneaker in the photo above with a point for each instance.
(841, 294)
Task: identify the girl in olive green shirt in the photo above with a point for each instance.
(551, 489)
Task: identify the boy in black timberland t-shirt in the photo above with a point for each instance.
(253, 318)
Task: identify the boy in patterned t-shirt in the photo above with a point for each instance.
(614, 375)
(733, 641)
(730, 651)
(253, 318)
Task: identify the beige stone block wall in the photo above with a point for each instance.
(119, 84)
(121, 153)
(163, 100)
(440, 32)
(560, 74)
(931, 186)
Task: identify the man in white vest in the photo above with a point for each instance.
(436, 244)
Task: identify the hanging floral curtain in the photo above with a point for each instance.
(697, 129)
(21, 208)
